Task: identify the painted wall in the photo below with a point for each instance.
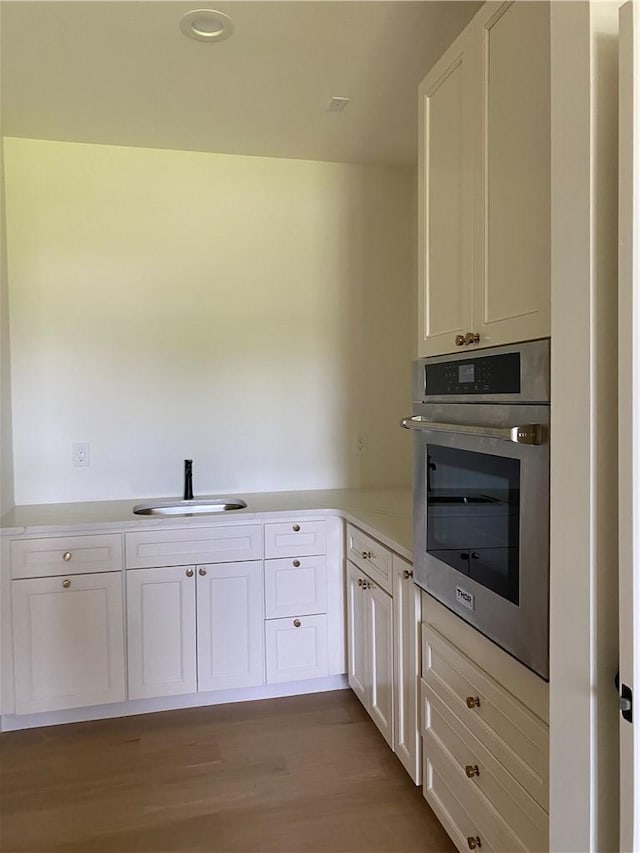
(6, 448)
(250, 313)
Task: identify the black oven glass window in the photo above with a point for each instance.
(473, 516)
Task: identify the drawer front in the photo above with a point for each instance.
(67, 555)
(465, 813)
(371, 557)
(482, 771)
(509, 730)
(295, 586)
(156, 548)
(296, 648)
(295, 539)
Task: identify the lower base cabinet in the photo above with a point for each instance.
(68, 637)
(370, 643)
(195, 628)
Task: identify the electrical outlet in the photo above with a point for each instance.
(80, 454)
(359, 444)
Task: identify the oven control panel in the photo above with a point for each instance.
(491, 374)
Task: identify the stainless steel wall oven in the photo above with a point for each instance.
(481, 492)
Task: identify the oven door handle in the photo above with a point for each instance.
(522, 434)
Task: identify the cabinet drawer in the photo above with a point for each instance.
(370, 556)
(464, 812)
(509, 730)
(295, 539)
(295, 587)
(67, 555)
(296, 648)
(482, 771)
(155, 548)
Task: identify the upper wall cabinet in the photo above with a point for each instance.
(484, 184)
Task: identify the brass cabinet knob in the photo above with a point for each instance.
(473, 701)
(296, 564)
(368, 585)
(472, 770)
(66, 556)
(360, 582)
(459, 340)
(202, 572)
(189, 573)
(472, 338)
(366, 555)
(297, 623)
(407, 573)
(296, 528)
(66, 583)
(474, 842)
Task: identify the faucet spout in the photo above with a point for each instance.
(188, 479)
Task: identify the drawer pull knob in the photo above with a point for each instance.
(474, 842)
(66, 583)
(189, 573)
(297, 623)
(407, 573)
(459, 340)
(472, 770)
(472, 338)
(296, 564)
(66, 556)
(202, 572)
(367, 555)
(360, 582)
(473, 701)
(296, 528)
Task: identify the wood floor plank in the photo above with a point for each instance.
(294, 775)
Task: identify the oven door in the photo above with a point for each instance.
(481, 519)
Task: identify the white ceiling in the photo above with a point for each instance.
(122, 73)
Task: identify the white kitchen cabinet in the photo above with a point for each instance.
(161, 631)
(484, 184)
(370, 640)
(230, 625)
(406, 650)
(68, 641)
(296, 648)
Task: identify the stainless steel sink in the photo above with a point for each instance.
(194, 507)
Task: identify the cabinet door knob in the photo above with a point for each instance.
(407, 573)
(296, 564)
(296, 528)
(202, 572)
(189, 573)
(66, 583)
(473, 701)
(360, 582)
(472, 770)
(471, 338)
(366, 555)
(297, 623)
(66, 556)
(459, 340)
(474, 842)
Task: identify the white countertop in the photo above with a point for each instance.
(384, 513)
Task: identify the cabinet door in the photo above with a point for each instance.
(296, 648)
(161, 636)
(380, 641)
(68, 642)
(357, 635)
(406, 659)
(512, 189)
(230, 625)
(445, 210)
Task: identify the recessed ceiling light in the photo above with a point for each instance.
(206, 25)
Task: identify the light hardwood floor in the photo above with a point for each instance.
(306, 773)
